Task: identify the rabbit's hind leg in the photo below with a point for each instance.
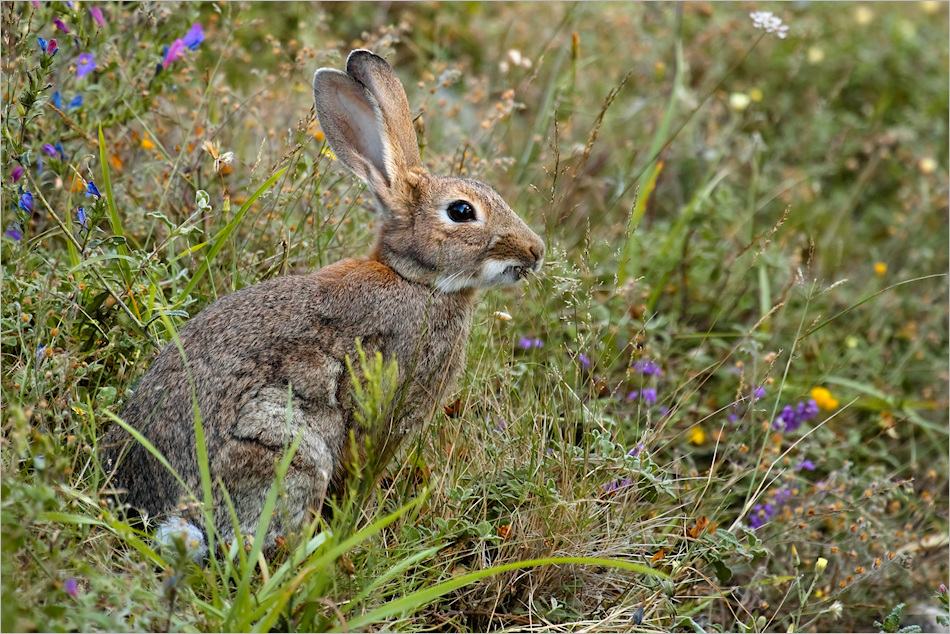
(247, 464)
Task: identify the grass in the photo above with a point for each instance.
(736, 223)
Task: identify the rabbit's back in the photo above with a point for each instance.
(250, 351)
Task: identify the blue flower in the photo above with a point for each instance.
(59, 148)
(194, 37)
(85, 64)
(13, 233)
(81, 214)
(92, 190)
(42, 44)
(75, 103)
(40, 353)
(58, 100)
(26, 202)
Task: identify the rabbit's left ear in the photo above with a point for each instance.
(365, 117)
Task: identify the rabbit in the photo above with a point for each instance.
(440, 239)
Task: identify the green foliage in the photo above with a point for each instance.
(892, 622)
(736, 224)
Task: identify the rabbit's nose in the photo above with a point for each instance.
(538, 252)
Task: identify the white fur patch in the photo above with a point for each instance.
(498, 272)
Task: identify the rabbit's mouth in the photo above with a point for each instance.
(506, 272)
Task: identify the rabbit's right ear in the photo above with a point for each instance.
(364, 115)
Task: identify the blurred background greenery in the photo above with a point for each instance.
(737, 222)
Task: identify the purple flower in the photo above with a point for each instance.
(49, 149)
(732, 418)
(647, 367)
(58, 100)
(635, 451)
(526, 343)
(808, 465)
(16, 173)
(81, 214)
(617, 485)
(40, 353)
(632, 395)
(53, 47)
(792, 418)
(92, 190)
(85, 64)
(173, 52)
(194, 37)
(13, 233)
(75, 103)
(72, 588)
(26, 202)
(648, 395)
(36, 3)
(764, 513)
(96, 14)
(758, 393)
(59, 25)
(585, 360)
(43, 44)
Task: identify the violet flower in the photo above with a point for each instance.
(49, 149)
(16, 173)
(85, 64)
(194, 37)
(96, 14)
(26, 202)
(647, 367)
(13, 233)
(71, 588)
(59, 25)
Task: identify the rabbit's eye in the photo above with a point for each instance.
(461, 211)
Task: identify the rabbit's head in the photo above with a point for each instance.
(450, 233)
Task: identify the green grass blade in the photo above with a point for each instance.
(113, 211)
(323, 563)
(415, 600)
(142, 440)
(221, 238)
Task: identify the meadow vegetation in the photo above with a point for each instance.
(723, 406)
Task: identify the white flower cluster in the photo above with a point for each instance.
(771, 23)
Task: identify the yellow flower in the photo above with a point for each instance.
(820, 564)
(823, 398)
(755, 94)
(697, 436)
(328, 152)
(880, 268)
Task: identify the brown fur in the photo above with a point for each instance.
(412, 300)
